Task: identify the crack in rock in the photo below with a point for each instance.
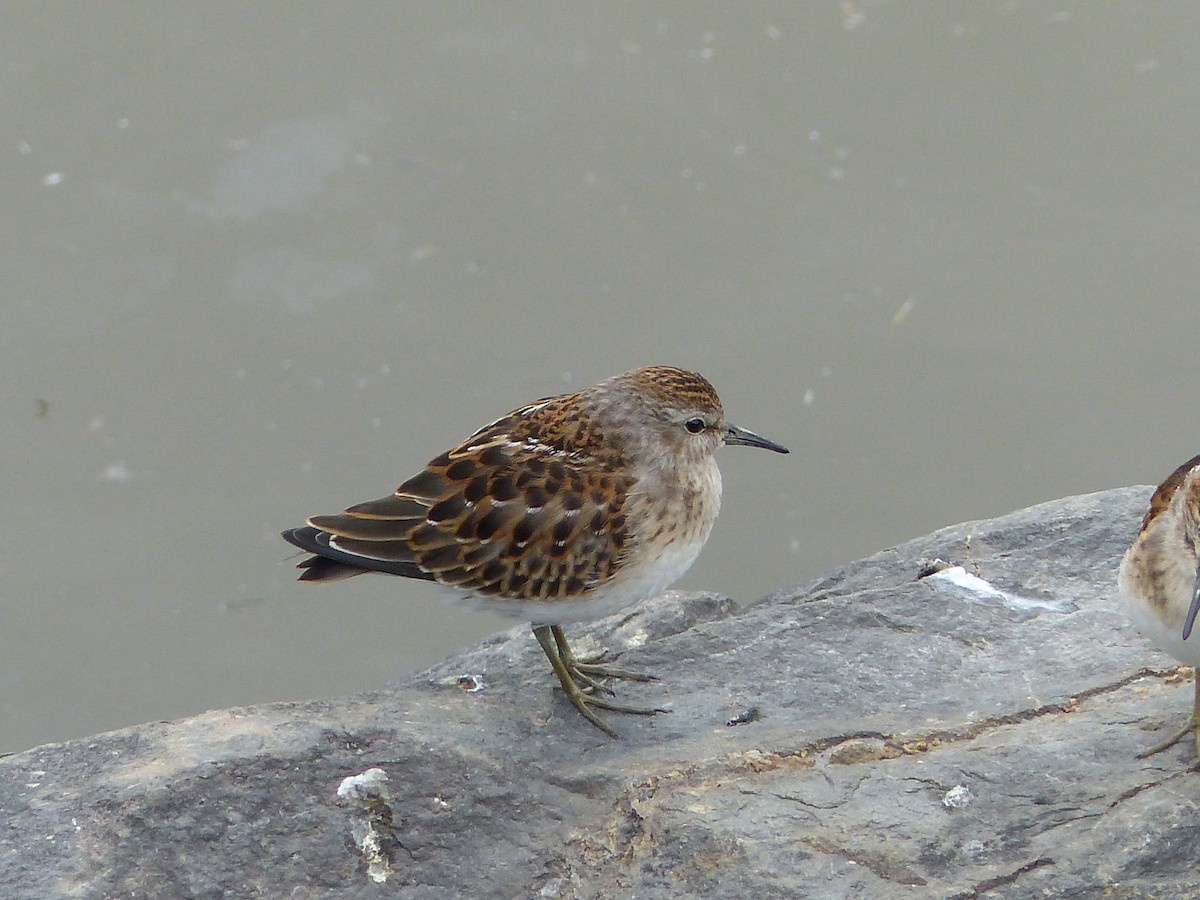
(886, 869)
(990, 884)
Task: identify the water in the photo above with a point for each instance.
(266, 264)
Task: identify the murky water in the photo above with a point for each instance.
(262, 265)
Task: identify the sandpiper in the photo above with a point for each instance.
(567, 509)
(1159, 578)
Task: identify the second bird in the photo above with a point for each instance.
(567, 509)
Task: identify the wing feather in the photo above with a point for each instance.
(503, 514)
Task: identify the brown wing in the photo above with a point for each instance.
(1162, 496)
(502, 514)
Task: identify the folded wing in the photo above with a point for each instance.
(495, 516)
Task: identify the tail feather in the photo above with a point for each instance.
(319, 568)
(330, 563)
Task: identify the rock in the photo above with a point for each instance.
(874, 734)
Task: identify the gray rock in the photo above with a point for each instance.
(898, 737)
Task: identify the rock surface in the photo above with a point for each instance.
(968, 734)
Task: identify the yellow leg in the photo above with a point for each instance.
(586, 670)
(553, 643)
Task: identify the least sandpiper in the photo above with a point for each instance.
(565, 510)
(1159, 578)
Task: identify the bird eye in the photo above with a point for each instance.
(695, 426)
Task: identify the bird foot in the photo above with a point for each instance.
(581, 680)
(1191, 729)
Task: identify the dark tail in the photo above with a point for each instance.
(331, 564)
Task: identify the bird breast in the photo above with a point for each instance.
(1156, 580)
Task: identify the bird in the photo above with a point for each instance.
(1159, 579)
(564, 510)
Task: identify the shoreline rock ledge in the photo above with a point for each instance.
(880, 732)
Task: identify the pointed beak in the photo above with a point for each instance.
(1193, 609)
(735, 435)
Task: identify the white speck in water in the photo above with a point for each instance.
(814, 135)
(118, 472)
(773, 33)
(385, 369)
(52, 179)
(739, 150)
(122, 123)
(24, 148)
(808, 397)
(902, 313)
(376, 422)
